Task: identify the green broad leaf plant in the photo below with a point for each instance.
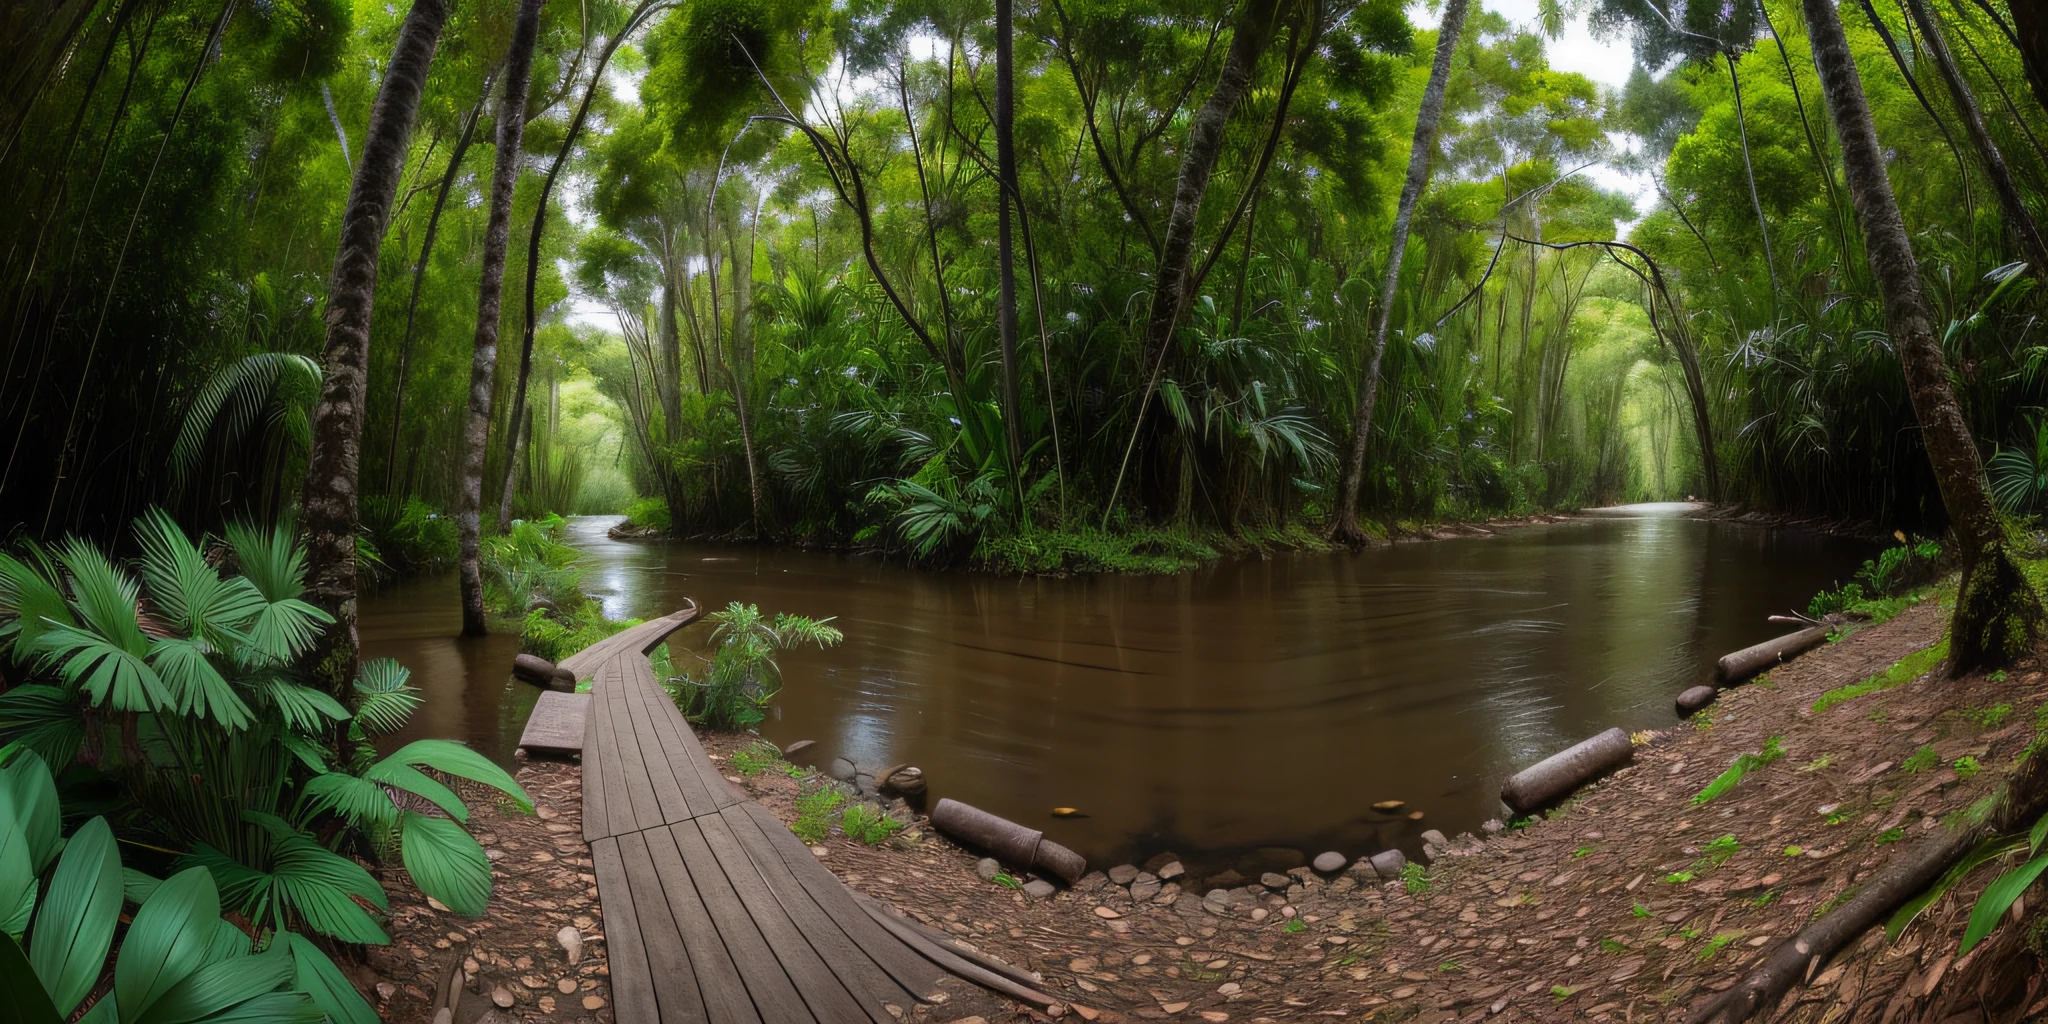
(177, 682)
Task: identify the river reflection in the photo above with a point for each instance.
(1256, 703)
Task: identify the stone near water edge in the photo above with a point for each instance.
(1091, 881)
(502, 997)
(987, 869)
(1124, 874)
(1414, 815)
(1329, 862)
(566, 986)
(1228, 878)
(798, 747)
(571, 940)
(1493, 827)
(1389, 863)
(841, 769)
(1275, 881)
(1695, 698)
(1389, 806)
(1362, 870)
(1144, 888)
(1159, 860)
(1170, 870)
(1434, 837)
(1106, 914)
(1039, 889)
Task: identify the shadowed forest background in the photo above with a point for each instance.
(763, 296)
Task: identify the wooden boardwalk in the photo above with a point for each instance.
(713, 910)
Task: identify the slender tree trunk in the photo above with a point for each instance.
(1427, 120)
(1198, 161)
(2017, 216)
(1996, 613)
(2030, 34)
(419, 276)
(1006, 289)
(483, 364)
(540, 220)
(329, 513)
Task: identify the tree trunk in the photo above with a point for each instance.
(1424, 146)
(1997, 613)
(328, 511)
(2030, 32)
(2017, 216)
(540, 220)
(1006, 189)
(1198, 161)
(483, 364)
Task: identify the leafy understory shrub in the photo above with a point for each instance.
(528, 565)
(1920, 760)
(814, 807)
(239, 774)
(649, 514)
(1885, 585)
(757, 757)
(179, 958)
(1414, 878)
(1903, 671)
(1743, 765)
(869, 824)
(743, 676)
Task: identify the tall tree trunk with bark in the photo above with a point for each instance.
(1997, 613)
(1006, 189)
(1427, 120)
(483, 364)
(1198, 161)
(2017, 216)
(328, 506)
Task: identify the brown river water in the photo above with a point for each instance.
(1231, 714)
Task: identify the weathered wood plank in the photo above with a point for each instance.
(596, 806)
(870, 984)
(677, 737)
(910, 969)
(818, 984)
(557, 723)
(718, 974)
(636, 781)
(672, 982)
(773, 993)
(632, 978)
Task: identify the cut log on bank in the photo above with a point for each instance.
(1011, 843)
(539, 671)
(1555, 777)
(1747, 662)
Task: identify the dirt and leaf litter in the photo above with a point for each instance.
(1641, 899)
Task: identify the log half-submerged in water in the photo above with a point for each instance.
(539, 671)
(1747, 662)
(1020, 847)
(1555, 777)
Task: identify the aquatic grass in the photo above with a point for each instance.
(1903, 671)
(1744, 764)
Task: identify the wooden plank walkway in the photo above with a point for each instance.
(713, 910)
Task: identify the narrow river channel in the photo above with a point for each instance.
(1231, 714)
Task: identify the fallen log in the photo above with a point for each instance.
(1744, 664)
(1020, 847)
(1695, 698)
(530, 668)
(1555, 777)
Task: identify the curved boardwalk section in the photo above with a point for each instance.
(713, 911)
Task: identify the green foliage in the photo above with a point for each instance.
(1903, 671)
(1296, 926)
(815, 804)
(756, 757)
(868, 824)
(1414, 878)
(743, 675)
(178, 958)
(1716, 944)
(2019, 475)
(1742, 766)
(1966, 766)
(528, 565)
(1720, 850)
(649, 514)
(1920, 760)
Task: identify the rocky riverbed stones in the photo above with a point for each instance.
(1389, 863)
(1170, 870)
(1144, 887)
(1124, 874)
(1329, 862)
(987, 869)
(1275, 881)
(1039, 889)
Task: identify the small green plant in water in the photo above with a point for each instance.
(1414, 878)
(1920, 760)
(1744, 764)
(814, 807)
(868, 824)
(743, 676)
